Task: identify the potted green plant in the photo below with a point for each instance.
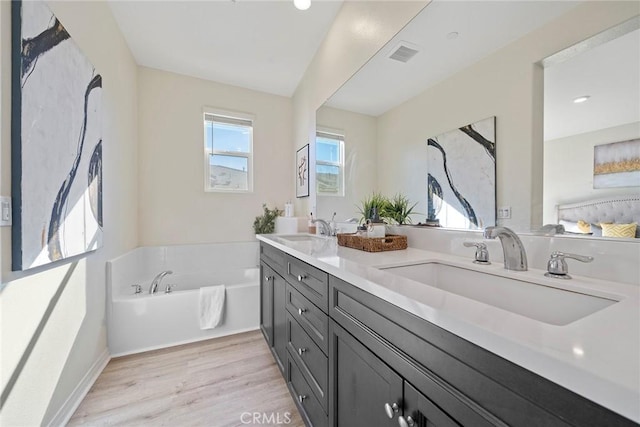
(375, 203)
(399, 209)
(266, 223)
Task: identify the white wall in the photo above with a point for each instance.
(53, 318)
(506, 84)
(360, 172)
(173, 206)
(359, 30)
(568, 168)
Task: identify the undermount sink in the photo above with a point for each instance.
(302, 238)
(537, 301)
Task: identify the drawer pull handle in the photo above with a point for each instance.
(301, 311)
(301, 277)
(402, 422)
(301, 350)
(391, 410)
(301, 397)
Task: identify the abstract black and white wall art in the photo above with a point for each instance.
(56, 141)
(461, 177)
(302, 172)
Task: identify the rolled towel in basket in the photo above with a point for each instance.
(211, 304)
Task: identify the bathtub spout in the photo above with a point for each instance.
(156, 281)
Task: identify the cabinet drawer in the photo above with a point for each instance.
(312, 361)
(311, 319)
(274, 257)
(311, 282)
(306, 401)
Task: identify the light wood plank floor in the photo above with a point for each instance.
(209, 383)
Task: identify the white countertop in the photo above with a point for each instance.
(597, 356)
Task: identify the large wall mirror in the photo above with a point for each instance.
(449, 75)
(591, 116)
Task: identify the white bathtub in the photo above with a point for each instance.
(141, 322)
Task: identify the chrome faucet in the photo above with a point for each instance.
(325, 228)
(156, 281)
(515, 257)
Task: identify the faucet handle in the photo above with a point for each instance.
(138, 289)
(482, 253)
(169, 288)
(557, 267)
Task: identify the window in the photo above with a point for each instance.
(228, 148)
(329, 164)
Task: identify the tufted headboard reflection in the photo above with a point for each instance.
(617, 210)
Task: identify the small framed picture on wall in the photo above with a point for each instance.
(302, 172)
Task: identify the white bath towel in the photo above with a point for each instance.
(211, 304)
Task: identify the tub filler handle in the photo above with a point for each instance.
(169, 288)
(137, 289)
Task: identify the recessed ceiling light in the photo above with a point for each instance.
(302, 4)
(580, 99)
(452, 35)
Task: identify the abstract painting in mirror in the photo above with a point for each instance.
(461, 177)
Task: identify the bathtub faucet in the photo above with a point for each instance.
(156, 281)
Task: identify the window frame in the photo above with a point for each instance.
(336, 136)
(209, 114)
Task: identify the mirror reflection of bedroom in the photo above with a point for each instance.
(592, 135)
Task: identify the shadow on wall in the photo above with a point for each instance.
(68, 311)
(6, 392)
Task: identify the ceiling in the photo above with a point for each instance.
(261, 44)
(609, 74)
(483, 27)
(266, 45)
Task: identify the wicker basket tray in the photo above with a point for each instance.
(391, 242)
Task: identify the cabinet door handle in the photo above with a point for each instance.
(301, 397)
(302, 310)
(301, 350)
(267, 278)
(301, 277)
(408, 422)
(391, 410)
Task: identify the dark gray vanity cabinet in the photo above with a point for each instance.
(368, 392)
(300, 329)
(353, 359)
(273, 319)
(307, 339)
(364, 385)
(266, 302)
(448, 379)
(280, 322)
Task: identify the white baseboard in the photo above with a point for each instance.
(71, 404)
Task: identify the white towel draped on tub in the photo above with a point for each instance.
(211, 303)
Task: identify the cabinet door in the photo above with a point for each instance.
(280, 322)
(419, 411)
(267, 276)
(365, 388)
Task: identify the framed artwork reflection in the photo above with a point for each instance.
(302, 172)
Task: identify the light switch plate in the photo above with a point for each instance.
(504, 212)
(5, 211)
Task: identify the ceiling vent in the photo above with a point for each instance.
(403, 52)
